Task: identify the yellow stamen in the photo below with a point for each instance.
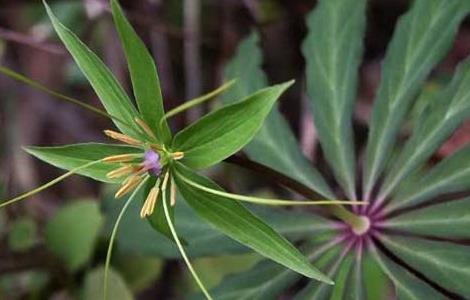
(173, 193)
(145, 127)
(149, 204)
(120, 158)
(128, 186)
(177, 155)
(122, 138)
(122, 171)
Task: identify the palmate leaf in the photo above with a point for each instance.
(448, 110)
(450, 175)
(421, 39)
(237, 222)
(69, 157)
(407, 285)
(333, 51)
(446, 220)
(223, 132)
(446, 264)
(110, 92)
(144, 75)
(274, 145)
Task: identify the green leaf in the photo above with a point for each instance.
(267, 280)
(69, 157)
(234, 220)
(333, 52)
(93, 286)
(144, 75)
(447, 264)
(22, 234)
(275, 144)
(72, 233)
(225, 131)
(110, 92)
(407, 285)
(447, 220)
(421, 39)
(337, 265)
(450, 175)
(449, 109)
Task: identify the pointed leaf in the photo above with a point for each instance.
(450, 175)
(446, 264)
(69, 157)
(333, 52)
(110, 92)
(225, 131)
(450, 108)
(143, 73)
(408, 286)
(230, 217)
(422, 37)
(275, 144)
(447, 220)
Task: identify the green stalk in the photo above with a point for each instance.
(178, 242)
(109, 252)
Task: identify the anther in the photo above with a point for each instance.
(149, 204)
(128, 186)
(119, 158)
(177, 155)
(145, 127)
(122, 138)
(122, 171)
(173, 193)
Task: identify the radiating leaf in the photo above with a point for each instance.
(447, 220)
(407, 285)
(237, 222)
(72, 233)
(69, 157)
(337, 265)
(422, 37)
(143, 73)
(333, 52)
(275, 144)
(449, 109)
(110, 92)
(446, 264)
(450, 175)
(225, 131)
(93, 286)
(267, 280)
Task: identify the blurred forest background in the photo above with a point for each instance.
(52, 246)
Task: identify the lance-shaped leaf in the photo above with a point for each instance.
(333, 52)
(447, 220)
(421, 39)
(450, 175)
(144, 75)
(223, 132)
(274, 145)
(69, 157)
(407, 285)
(110, 92)
(446, 264)
(450, 108)
(233, 219)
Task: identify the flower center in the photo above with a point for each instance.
(152, 163)
(363, 227)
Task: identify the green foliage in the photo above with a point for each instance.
(72, 233)
(22, 234)
(221, 133)
(93, 286)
